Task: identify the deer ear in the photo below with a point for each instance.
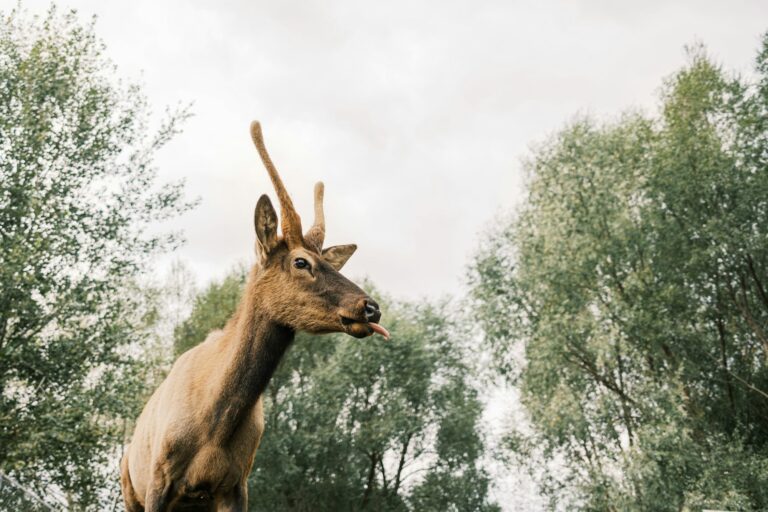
(338, 255)
(265, 221)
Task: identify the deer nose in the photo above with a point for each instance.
(372, 313)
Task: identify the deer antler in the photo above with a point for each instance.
(316, 234)
(289, 218)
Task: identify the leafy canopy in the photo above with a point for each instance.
(635, 281)
(79, 199)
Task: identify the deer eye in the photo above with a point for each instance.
(300, 263)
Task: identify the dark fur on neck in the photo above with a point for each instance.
(257, 344)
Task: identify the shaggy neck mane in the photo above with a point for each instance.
(254, 344)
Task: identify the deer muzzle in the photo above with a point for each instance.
(364, 322)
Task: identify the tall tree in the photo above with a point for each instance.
(210, 310)
(78, 195)
(364, 424)
(635, 279)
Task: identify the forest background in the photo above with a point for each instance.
(618, 311)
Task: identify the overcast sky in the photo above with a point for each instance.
(415, 114)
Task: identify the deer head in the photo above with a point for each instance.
(301, 281)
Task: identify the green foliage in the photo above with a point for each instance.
(365, 424)
(211, 310)
(13, 496)
(78, 194)
(635, 280)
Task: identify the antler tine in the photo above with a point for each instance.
(316, 234)
(291, 222)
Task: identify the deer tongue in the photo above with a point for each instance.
(379, 329)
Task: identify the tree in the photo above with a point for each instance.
(210, 311)
(364, 424)
(78, 196)
(634, 278)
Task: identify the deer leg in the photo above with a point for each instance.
(129, 495)
(235, 500)
(159, 495)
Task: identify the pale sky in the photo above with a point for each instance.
(415, 114)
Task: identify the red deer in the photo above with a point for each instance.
(195, 441)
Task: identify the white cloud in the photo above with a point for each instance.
(415, 114)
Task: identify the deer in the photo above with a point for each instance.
(195, 441)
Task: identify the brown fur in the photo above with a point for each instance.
(196, 439)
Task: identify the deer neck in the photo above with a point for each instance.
(254, 346)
